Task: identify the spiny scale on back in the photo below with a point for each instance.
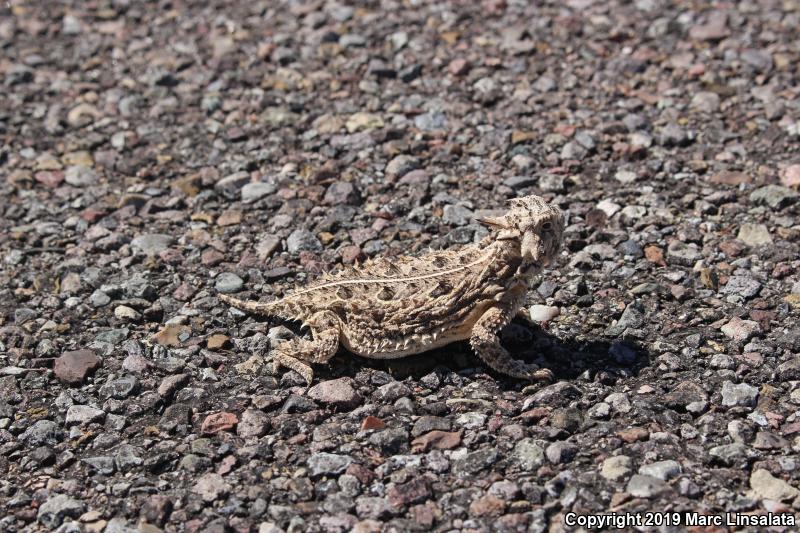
(392, 307)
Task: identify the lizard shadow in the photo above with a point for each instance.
(604, 360)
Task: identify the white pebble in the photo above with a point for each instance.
(543, 313)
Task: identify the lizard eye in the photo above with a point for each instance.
(547, 226)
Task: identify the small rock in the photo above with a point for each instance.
(741, 394)
(342, 193)
(561, 452)
(210, 487)
(338, 393)
(228, 282)
(527, 454)
(663, 470)
(170, 384)
(414, 491)
(754, 234)
(123, 312)
(172, 335)
(791, 176)
(543, 313)
(740, 330)
(217, 341)
(402, 165)
(303, 240)
(436, 439)
(730, 177)
(363, 121)
(84, 414)
(120, 388)
(681, 253)
(254, 423)
(774, 196)
(230, 217)
(216, 422)
(327, 464)
(608, 207)
(641, 486)
(371, 423)
(764, 486)
(705, 102)
(456, 215)
(742, 286)
(73, 367)
(684, 394)
(391, 440)
(151, 243)
(729, 454)
(81, 176)
(256, 190)
(625, 176)
(488, 505)
(42, 432)
(391, 391)
(616, 468)
(58, 507)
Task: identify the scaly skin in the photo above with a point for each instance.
(391, 308)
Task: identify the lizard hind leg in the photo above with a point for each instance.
(487, 346)
(298, 353)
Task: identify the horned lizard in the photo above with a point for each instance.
(393, 307)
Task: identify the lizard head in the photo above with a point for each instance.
(536, 225)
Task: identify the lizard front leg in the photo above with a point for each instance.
(486, 344)
(298, 353)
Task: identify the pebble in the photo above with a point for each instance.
(457, 215)
(527, 455)
(561, 452)
(765, 486)
(327, 464)
(681, 253)
(742, 286)
(738, 395)
(228, 282)
(58, 507)
(642, 486)
(151, 243)
(84, 414)
(729, 454)
(253, 424)
(254, 191)
(74, 366)
(740, 330)
(616, 468)
(81, 176)
(123, 312)
(303, 240)
(663, 470)
(790, 177)
(342, 193)
(211, 487)
(774, 196)
(217, 422)
(402, 165)
(754, 234)
(625, 176)
(42, 432)
(543, 313)
(338, 393)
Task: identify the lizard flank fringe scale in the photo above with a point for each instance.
(389, 308)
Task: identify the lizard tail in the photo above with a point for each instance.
(259, 308)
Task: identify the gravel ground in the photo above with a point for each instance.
(153, 155)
